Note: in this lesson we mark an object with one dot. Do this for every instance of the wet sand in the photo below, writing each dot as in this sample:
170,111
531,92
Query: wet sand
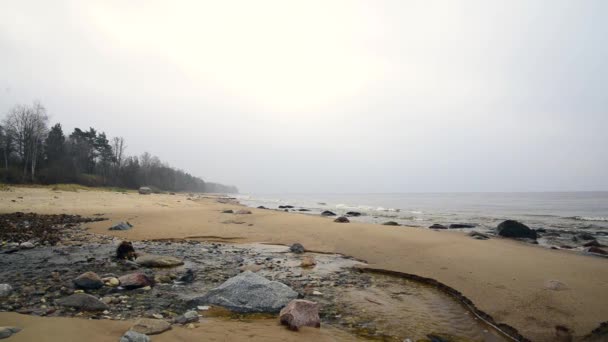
77,330
506,279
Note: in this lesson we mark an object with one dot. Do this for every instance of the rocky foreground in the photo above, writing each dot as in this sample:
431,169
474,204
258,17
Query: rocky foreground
51,266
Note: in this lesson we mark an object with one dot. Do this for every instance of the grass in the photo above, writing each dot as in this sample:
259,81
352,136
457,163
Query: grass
64,187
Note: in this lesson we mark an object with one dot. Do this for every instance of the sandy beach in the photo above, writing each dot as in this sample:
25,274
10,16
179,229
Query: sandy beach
505,278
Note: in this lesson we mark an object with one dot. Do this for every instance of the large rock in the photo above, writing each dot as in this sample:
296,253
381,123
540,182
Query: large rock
82,301
297,248
133,336
248,293
328,213
144,190
134,281
121,226
89,281
6,332
353,213
596,250
342,219
299,313
514,229
390,223
5,290
188,317
438,226
149,326
461,225
152,260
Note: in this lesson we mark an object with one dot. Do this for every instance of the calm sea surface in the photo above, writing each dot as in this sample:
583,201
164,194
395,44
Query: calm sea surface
580,211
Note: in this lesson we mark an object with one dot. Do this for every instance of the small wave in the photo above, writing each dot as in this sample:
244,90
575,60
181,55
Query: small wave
589,218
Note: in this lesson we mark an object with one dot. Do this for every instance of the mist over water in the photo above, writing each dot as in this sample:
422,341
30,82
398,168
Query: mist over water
586,211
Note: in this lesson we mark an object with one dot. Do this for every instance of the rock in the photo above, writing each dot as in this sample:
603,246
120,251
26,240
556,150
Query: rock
150,326
461,225
308,261
342,219
125,251
477,235
88,280
248,293
188,317
300,313
144,190
303,209
133,336
585,236
514,229
121,226
286,207
187,277
593,243
438,226
328,213
6,332
297,248
5,290
152,260
228,211
112,281
134,281
26,245
243,212
596,250
353,213
82,301
391,223
262,207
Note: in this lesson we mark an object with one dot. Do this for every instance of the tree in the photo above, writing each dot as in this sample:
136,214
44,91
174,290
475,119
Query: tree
54,145
28,126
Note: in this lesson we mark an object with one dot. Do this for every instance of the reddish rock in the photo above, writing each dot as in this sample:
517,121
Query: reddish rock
135,280
300,313
597,250
308,261
342,219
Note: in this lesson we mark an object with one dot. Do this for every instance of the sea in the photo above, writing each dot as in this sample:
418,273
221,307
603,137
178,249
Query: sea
567,212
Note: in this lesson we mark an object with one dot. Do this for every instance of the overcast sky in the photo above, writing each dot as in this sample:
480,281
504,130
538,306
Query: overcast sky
328,96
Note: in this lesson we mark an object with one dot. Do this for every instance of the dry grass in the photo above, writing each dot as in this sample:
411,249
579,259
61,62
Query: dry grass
63,187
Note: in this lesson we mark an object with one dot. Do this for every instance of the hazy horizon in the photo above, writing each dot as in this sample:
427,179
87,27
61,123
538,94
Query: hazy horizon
328,96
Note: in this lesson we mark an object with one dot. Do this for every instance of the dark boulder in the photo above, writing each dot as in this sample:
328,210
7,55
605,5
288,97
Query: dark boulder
303,209
228,211
262,207
82,301
286,207
342,219
438,226
461,225
328,213
297,248
596,250
353,213
88,280
514,229
585,236
593,243
391,223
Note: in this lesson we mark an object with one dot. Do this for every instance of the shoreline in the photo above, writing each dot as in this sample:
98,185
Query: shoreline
444,256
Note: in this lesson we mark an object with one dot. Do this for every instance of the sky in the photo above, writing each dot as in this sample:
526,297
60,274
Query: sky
328,96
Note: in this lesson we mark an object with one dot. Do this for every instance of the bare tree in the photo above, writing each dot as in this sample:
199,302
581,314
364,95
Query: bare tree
119,147
27,125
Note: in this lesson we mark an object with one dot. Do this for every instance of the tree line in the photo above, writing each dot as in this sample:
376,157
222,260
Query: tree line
34,153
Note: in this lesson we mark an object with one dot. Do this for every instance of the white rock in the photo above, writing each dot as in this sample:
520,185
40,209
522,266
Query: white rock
203,307
5,290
